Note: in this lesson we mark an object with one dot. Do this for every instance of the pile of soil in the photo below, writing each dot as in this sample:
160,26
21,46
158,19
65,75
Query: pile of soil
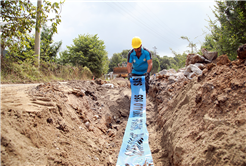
76,123
196,122
203,121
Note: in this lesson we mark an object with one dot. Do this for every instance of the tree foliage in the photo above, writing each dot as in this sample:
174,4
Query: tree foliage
156,66
114,61
176,62
165,62
118,58
124,53
20,18
49,49
228,31
89,51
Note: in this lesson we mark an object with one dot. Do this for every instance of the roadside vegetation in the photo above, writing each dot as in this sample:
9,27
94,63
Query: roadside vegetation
28,72
87,56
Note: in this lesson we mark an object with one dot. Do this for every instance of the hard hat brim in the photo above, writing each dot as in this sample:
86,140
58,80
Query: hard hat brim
136,46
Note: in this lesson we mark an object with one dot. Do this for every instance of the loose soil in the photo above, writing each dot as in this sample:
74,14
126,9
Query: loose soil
196,122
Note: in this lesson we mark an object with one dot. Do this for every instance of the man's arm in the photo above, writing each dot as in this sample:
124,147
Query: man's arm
150,64
129,67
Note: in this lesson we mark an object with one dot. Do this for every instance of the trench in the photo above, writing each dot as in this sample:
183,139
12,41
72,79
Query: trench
160,139
85,126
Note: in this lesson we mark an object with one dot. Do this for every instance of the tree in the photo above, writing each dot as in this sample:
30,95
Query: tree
156,66
164,62
49,49
88,51
20,17
115,60
178,61
228,31
124,53
118,58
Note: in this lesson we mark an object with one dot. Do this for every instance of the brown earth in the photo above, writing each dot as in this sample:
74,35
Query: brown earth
197,122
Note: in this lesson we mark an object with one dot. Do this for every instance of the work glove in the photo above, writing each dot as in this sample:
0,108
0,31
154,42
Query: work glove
146,76
129,76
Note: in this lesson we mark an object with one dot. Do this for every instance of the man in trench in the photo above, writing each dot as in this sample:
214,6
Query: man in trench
139,61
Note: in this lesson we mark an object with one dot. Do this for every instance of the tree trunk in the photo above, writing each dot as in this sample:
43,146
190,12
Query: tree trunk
38,31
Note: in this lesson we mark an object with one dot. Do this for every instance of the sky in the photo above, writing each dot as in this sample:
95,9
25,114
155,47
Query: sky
160,24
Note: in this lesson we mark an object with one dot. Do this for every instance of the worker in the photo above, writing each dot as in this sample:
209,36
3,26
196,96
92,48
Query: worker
139,61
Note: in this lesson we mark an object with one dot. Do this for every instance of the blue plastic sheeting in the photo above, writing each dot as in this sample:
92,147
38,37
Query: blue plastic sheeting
135,146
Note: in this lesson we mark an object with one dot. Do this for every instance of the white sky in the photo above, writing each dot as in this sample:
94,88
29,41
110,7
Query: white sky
159,24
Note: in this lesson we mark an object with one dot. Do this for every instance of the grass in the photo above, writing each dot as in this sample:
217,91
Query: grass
28,72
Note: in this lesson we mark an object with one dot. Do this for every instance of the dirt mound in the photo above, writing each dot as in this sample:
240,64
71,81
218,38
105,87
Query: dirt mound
77,123
203,123
200,121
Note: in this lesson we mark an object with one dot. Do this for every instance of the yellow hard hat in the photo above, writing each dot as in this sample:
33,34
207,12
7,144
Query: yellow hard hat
136,42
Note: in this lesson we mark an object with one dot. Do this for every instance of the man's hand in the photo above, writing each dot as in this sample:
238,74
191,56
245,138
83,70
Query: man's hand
129,76
146,75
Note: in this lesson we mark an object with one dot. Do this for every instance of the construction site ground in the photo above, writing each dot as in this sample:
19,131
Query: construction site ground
201,121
